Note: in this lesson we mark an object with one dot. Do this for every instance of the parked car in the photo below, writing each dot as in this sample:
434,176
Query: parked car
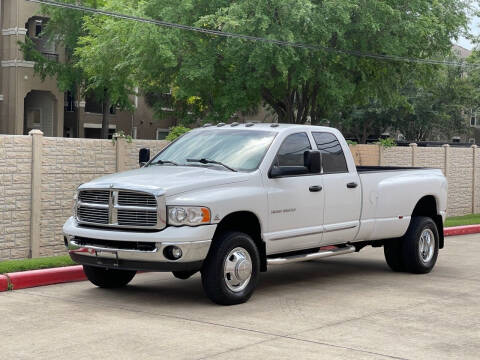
231,201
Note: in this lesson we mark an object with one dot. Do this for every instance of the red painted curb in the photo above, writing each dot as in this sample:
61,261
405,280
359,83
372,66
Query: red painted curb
33,278
461,230
3,283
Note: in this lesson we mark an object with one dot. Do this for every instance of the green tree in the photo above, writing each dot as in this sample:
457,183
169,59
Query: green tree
231,74
423,109
227,75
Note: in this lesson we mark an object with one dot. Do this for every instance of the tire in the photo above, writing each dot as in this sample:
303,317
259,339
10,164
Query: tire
231,270
183,275
394,255
420,259
108,278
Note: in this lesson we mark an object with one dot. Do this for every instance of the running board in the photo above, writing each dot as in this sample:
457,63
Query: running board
312,256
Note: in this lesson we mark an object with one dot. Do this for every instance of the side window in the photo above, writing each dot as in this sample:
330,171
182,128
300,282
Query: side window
333,159
292,149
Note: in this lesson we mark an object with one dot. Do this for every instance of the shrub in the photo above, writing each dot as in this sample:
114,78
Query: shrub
176,131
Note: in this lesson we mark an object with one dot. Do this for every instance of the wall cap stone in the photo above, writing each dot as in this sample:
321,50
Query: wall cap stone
35,132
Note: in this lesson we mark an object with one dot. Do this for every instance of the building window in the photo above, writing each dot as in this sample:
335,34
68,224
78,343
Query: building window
162,134
473,119
38,27
94,131
92,105
69,102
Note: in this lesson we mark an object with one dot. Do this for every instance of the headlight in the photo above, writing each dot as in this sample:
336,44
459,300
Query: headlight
188,215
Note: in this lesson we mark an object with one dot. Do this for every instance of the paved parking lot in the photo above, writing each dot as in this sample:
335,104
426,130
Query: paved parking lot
349,307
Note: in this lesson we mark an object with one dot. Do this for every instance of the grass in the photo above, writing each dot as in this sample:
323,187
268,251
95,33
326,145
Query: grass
34,264
471,219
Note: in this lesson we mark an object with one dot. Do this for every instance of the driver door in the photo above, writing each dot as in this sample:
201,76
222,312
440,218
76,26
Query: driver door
296,203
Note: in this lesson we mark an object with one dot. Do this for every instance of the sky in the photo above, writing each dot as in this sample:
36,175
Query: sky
474,29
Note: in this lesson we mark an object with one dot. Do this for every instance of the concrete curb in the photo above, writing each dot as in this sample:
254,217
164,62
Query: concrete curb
461,230
33,278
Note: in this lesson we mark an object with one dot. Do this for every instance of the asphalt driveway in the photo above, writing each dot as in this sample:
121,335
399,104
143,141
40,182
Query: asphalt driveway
349,307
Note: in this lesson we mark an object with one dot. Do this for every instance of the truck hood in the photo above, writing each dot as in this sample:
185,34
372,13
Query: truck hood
165,178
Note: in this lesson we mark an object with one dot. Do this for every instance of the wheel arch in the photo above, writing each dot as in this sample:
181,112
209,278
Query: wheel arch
249,223
428,206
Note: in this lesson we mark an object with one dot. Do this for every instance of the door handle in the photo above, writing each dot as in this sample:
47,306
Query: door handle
352,185
315,188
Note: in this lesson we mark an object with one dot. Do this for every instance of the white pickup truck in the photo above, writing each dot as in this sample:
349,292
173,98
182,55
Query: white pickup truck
233,200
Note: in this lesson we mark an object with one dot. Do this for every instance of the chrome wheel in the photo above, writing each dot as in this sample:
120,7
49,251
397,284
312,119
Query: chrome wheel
237,269
426,245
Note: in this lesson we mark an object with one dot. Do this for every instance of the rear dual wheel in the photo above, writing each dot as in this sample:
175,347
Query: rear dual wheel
417,250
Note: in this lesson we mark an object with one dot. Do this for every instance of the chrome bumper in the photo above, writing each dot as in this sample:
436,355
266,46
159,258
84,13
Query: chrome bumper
192,251
106,248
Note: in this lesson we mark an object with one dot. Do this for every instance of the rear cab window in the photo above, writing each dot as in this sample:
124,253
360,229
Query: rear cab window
333,158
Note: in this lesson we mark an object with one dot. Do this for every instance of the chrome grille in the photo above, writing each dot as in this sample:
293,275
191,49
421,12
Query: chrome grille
94,196
92,215
130,198
120,208
137,218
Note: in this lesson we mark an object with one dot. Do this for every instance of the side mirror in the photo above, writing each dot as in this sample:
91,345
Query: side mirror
313,161
280,171
143,156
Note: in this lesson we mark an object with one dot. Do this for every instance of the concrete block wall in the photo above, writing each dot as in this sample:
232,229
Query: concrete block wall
67,163
460,180
15,196
366,155
396,156
476,199
39,175
132,149
59,167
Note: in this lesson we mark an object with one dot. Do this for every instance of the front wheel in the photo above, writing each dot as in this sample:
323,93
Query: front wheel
108,278
231,270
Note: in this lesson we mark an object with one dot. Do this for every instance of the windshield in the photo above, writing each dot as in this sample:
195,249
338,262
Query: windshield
242,150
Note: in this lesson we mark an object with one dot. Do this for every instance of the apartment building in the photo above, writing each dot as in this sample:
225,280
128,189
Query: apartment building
27,102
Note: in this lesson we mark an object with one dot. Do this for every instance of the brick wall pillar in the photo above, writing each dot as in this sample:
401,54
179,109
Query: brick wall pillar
121,149
37,139
446,148
474,179
381,160
414,146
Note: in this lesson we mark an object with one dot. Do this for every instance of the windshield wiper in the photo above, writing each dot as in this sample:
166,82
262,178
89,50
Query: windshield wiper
208,161
161,162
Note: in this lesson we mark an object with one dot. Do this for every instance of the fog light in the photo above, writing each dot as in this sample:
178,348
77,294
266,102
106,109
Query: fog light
172,252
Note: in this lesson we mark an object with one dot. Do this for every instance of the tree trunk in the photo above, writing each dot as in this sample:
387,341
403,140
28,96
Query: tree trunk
106,110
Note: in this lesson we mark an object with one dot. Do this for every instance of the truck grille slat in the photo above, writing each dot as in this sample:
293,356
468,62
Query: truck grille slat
133,217
90,213
126,198
94,196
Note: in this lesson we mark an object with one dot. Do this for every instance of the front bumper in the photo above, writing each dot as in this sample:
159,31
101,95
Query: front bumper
106,248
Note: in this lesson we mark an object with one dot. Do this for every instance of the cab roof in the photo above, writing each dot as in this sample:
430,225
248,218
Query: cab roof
276,127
